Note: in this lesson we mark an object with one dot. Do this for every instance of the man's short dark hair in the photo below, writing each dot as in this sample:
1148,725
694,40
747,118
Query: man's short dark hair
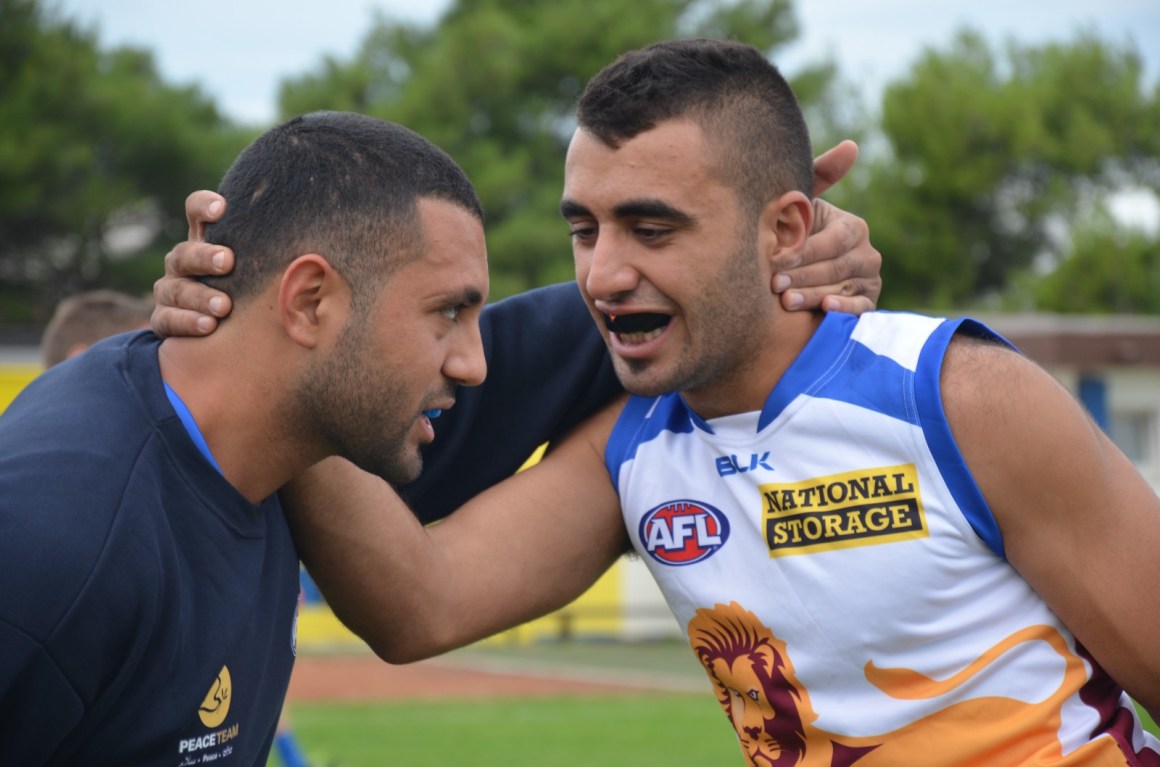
741,101
343,185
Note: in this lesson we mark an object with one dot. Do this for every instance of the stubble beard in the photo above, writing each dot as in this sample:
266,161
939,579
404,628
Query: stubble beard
724,350
352,408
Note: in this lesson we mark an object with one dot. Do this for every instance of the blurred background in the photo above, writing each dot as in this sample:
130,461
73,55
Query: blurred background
1010,165
1010,153
1011,156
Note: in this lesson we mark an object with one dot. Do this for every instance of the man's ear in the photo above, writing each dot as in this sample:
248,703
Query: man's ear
313,300
786,223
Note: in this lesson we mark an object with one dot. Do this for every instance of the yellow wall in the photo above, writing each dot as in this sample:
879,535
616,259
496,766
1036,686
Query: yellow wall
13,378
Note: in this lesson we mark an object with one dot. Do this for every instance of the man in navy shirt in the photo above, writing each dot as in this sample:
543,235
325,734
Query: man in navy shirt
150,582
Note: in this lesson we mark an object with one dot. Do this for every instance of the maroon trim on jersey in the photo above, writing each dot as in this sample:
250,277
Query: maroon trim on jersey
1116,721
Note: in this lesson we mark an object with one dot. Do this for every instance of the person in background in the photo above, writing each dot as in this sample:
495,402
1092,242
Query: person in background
81,320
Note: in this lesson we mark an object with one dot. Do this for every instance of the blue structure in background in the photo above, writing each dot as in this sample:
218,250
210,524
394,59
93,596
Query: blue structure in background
1093,393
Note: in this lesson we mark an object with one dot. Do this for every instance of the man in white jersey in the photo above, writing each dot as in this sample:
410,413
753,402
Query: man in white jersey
891,540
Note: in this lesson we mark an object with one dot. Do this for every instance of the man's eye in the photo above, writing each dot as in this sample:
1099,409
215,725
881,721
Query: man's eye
452,312
581,232
650,233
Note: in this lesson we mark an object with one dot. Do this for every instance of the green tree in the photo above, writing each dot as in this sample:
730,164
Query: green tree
91,140
992,153
1109,268
494,83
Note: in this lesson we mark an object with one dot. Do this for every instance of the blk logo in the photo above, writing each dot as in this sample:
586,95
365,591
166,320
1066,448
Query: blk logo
683,532
731,464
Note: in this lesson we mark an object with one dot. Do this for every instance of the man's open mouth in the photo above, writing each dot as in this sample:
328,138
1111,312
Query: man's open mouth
636,328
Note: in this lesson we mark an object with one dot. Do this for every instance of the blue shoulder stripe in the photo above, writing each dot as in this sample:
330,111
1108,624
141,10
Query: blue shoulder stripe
868,379
822,354
643,419
939,438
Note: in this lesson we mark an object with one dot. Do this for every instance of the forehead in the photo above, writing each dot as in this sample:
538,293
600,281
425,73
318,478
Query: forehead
453,257
672,161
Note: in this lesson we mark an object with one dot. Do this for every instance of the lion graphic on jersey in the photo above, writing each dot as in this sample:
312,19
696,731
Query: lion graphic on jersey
757,687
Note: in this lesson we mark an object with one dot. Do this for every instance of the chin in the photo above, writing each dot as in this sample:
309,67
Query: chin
636,379
645,386
396,469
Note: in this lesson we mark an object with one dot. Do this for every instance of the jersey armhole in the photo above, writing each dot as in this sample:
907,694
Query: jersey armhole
940,440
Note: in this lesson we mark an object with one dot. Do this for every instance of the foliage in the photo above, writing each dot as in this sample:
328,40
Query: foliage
494,83
990,154
1108,269
92,139
993,153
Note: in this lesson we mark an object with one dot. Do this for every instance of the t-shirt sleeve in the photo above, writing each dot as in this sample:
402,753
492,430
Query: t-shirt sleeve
548,370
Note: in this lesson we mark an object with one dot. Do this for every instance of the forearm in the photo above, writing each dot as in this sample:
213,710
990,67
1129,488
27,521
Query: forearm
373,561
411,591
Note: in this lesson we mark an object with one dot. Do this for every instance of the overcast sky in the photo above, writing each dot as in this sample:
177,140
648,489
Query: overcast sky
239,50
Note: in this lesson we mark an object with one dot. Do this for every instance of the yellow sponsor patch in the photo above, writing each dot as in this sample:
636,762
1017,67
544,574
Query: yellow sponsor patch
858,508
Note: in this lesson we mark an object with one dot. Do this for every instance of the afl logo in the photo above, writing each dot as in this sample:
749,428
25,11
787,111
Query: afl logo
683,532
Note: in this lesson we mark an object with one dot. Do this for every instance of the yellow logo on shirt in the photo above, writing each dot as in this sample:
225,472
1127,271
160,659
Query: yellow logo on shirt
216,706
858,508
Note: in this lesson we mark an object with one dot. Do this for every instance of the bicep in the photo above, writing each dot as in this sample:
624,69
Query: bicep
1079,522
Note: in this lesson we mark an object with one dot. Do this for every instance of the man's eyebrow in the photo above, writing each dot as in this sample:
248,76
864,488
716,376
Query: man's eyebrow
650,208
471,297
643,208
570,208
468,296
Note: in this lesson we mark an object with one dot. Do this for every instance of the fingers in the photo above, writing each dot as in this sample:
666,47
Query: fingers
853,296
201,208
198,259
836,233
831,166
849,304
184,306
837,263
167,322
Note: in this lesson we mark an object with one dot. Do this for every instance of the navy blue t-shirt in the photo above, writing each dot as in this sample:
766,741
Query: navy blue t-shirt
147,610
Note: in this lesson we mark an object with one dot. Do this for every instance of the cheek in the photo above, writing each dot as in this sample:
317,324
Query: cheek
581,267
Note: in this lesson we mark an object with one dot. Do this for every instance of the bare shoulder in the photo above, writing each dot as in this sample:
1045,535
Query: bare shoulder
1020,431
990,389
976,366
1036,454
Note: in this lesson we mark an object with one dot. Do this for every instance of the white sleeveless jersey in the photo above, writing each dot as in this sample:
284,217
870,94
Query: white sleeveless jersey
841,578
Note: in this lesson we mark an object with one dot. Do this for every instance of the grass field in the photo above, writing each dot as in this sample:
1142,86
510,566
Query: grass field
674,729
680,727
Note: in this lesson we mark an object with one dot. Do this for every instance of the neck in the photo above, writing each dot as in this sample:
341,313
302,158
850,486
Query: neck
232,394
747,388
